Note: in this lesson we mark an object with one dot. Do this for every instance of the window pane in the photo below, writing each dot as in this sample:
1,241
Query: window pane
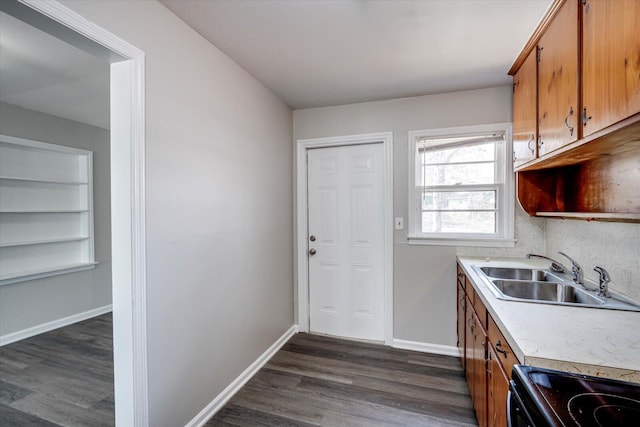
459,222
477,173
458,200
468,153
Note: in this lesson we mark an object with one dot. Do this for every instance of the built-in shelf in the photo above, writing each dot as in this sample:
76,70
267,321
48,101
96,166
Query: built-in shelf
596,178
43,181
46,218
600,216
42,242
40,211
36,273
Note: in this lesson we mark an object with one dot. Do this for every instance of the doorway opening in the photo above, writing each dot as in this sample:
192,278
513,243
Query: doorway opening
127,192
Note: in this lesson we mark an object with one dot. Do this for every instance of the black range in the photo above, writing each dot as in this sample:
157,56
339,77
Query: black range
543,397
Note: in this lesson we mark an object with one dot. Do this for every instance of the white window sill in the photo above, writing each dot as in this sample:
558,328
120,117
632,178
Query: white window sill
482,243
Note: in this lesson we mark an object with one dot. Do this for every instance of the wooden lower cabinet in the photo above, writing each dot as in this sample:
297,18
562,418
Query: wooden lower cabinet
462,312
479,375
487,357
497,390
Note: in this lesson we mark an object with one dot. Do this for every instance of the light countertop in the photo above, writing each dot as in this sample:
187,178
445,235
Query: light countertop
583,340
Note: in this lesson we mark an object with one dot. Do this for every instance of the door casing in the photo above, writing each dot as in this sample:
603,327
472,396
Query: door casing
128,227
301,226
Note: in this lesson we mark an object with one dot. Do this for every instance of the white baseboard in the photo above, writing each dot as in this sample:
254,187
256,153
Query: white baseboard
54,324
445,350
220,400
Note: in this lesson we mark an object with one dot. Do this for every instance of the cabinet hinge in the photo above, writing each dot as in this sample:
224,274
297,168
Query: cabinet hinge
584,2
538,53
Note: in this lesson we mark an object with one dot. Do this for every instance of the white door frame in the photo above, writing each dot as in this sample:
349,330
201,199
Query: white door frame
127,214
301,231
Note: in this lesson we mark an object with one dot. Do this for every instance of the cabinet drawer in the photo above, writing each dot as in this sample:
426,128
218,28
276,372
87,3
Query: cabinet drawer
505,355
461,277
470,294
481,310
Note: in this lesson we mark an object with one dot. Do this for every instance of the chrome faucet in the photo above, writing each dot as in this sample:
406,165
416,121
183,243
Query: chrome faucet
576,270
604,282
555,265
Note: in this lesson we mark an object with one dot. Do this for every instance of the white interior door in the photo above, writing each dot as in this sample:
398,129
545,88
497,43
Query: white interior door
346,241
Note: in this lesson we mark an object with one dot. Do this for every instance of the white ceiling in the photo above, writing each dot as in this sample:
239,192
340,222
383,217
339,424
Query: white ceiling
308,52
42,73
317,52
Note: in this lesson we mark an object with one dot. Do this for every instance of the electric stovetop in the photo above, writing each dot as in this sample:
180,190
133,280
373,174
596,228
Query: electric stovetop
567,399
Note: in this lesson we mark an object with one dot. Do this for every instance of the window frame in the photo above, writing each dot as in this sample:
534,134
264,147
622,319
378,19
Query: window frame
505,194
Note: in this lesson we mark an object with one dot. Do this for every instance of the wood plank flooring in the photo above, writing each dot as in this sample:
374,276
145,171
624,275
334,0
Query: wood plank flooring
60,378
323,381
65,378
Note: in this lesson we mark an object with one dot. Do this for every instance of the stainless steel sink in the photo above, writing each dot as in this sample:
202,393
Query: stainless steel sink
546,287
518,274
545,291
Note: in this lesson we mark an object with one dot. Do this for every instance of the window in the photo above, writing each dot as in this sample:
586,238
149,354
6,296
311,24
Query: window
461,186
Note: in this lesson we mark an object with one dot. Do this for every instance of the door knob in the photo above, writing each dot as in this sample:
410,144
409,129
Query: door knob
312,251
312,238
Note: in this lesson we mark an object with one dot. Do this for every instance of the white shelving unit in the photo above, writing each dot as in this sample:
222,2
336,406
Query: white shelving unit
46,210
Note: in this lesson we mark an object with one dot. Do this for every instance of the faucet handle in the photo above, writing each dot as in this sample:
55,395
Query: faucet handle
605,278
576,270
604,274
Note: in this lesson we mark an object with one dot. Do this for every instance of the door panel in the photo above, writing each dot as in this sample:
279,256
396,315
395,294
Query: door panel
525,113
558,81
610,62
346,273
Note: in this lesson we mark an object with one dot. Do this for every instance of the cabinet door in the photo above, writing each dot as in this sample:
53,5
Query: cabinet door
610,62
468,345
461,306
525,114
498,389
479,389
558,81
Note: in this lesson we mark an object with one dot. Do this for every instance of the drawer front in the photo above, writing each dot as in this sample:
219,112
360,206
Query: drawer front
503,350
461,277
470,294
480,310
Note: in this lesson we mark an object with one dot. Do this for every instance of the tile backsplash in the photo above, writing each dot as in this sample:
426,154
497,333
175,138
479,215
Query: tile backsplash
612,245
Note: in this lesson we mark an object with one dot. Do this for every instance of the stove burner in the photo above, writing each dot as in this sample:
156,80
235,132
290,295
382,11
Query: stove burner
603,410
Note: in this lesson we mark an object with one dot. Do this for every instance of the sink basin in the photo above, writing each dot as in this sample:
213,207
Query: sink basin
518,274
545,291
544,287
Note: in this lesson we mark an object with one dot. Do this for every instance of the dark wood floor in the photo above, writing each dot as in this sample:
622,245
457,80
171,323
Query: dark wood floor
322,381
65,378
59,378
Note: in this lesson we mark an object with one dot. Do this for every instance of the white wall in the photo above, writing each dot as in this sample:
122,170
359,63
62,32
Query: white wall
612,245
24,305
219,220
424,276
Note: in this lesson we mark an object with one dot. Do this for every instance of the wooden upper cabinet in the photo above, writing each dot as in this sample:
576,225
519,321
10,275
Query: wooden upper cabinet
610,62
558,80
525,97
